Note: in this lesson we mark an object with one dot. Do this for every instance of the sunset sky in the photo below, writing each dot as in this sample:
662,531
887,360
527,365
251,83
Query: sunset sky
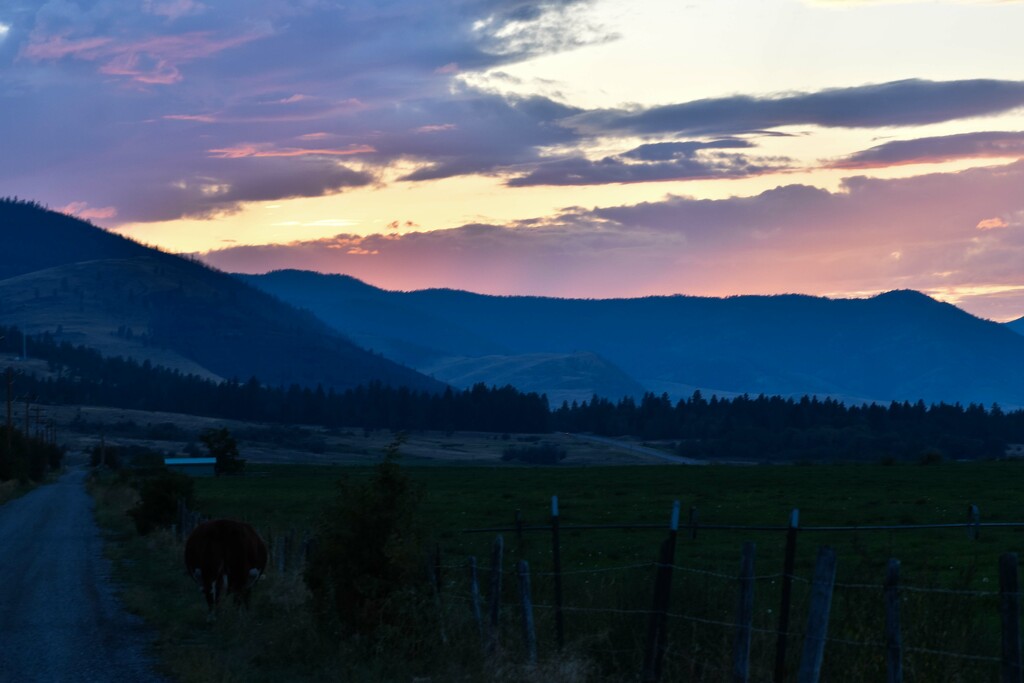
565,148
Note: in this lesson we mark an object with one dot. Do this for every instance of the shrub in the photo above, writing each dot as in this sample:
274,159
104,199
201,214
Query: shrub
366,570
158,500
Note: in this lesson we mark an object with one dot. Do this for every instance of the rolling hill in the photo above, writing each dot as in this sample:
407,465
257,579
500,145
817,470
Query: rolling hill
87,286
1016,325
901,345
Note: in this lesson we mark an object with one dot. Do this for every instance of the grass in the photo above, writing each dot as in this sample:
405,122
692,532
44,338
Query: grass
280,642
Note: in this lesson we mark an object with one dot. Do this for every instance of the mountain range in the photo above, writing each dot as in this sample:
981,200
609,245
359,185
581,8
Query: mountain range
87,286
901,345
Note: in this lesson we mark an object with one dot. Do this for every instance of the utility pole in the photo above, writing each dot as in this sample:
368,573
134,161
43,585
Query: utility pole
10,395
38,410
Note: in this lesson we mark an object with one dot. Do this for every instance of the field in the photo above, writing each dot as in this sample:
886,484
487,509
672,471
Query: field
604,629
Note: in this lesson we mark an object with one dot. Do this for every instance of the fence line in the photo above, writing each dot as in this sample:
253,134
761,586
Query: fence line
822,587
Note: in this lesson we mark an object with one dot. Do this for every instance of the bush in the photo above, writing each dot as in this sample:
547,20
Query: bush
541,454
223,446
367,568
158,500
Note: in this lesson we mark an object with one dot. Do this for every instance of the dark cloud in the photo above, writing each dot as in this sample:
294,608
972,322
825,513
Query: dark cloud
937,149
234,181
665,151
899,103
118,106
653,162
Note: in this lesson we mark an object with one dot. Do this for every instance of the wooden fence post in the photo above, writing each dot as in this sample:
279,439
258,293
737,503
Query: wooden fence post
474,593
817,620
782,631
279,553
497,551
744,617
1009,613
657,625
529,633
556,560
973,522
893,638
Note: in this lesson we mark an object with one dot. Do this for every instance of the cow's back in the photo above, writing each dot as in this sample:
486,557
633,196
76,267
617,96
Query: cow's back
225,549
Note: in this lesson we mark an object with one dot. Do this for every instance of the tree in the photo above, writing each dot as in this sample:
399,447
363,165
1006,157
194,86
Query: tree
367,569
222,446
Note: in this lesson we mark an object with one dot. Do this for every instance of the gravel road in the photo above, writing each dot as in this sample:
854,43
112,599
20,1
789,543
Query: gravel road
59,619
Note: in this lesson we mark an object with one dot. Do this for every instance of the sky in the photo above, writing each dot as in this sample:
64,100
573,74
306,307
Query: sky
583,148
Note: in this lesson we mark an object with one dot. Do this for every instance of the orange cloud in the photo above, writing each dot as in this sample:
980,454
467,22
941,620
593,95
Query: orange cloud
992,224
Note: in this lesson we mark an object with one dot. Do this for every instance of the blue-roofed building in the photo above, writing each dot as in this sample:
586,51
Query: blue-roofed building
193,467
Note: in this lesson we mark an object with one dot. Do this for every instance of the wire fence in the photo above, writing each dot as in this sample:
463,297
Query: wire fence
926,635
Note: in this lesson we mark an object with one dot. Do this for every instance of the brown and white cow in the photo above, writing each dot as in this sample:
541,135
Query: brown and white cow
224,556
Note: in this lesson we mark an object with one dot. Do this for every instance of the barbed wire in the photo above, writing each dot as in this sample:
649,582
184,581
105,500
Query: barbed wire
754,629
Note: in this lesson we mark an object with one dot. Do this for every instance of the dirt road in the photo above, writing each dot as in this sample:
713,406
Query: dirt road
59,619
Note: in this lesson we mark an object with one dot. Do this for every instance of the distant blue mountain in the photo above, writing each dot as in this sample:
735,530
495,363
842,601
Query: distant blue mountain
901,345
1016,325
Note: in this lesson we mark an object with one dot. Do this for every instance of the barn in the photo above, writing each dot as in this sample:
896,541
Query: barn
193,467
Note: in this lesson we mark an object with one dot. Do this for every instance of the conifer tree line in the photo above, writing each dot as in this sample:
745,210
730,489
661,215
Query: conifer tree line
745,428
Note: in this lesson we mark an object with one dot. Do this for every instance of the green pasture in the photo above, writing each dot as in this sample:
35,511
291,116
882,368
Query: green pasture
951,628
278,498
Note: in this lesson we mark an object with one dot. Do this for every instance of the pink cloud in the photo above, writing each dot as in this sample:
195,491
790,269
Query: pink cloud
203,118
436,128
152,60
266,150
449,68
58,47
84,211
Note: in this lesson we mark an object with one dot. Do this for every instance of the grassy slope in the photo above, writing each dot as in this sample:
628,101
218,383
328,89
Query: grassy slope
459,497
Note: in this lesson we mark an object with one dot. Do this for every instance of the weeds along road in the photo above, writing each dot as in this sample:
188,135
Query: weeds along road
59,619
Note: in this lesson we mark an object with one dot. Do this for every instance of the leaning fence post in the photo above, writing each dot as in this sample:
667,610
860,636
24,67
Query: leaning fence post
496,555
529,633
787,592
657,625
556,560
1009,613
817,620
893,639
474,593
744,617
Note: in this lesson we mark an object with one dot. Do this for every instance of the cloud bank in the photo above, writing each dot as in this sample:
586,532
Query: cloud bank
959,236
